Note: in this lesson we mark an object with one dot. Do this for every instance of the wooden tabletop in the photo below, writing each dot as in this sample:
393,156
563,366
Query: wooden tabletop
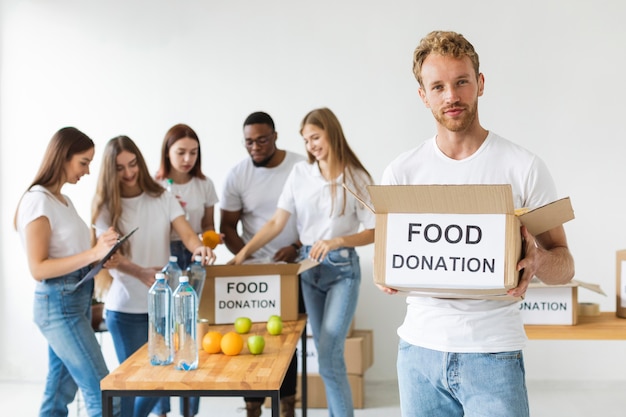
605,326
216,372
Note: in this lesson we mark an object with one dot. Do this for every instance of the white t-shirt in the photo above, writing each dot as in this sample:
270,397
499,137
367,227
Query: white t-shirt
308,196
255,191
452,325
69,233
194,196
149,246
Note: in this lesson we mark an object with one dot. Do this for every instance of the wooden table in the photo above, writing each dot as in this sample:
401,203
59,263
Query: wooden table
217,375
606,326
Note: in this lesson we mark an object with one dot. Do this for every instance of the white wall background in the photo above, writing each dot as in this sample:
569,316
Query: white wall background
554,83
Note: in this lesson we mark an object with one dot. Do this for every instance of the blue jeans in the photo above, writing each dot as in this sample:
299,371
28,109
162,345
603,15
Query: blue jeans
75,360
183,260
330,291
129,333
178,249
444,384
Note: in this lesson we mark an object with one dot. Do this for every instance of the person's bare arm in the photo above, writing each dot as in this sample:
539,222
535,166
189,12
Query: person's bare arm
41,266
228,228
547,257
269,231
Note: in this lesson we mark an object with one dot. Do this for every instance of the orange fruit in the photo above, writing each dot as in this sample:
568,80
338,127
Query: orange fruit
211,342
211,239
232,343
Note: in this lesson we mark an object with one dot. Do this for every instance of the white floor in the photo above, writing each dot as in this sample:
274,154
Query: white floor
547,399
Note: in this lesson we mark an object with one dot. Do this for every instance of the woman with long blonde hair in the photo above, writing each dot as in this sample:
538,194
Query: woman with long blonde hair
331,223
127,197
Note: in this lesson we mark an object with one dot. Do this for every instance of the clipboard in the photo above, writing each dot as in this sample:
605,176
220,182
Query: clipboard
98,267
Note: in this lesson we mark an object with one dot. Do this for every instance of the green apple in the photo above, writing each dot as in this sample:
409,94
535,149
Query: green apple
274,325
243,325
256,344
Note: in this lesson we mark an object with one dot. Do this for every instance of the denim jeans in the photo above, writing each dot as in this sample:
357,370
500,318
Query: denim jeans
129,333
444,384
184,257
330,291
178,249
63,315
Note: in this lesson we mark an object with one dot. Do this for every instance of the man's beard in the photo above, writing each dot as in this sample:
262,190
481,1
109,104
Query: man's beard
458,125
263,162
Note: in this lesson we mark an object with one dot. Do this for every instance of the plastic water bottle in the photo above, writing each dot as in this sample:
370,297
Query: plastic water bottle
197,275
185,317
172,272
169,187
160,348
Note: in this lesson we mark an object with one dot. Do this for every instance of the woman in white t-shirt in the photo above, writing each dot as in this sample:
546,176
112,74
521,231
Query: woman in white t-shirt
331,223
59,254
128,197
181,173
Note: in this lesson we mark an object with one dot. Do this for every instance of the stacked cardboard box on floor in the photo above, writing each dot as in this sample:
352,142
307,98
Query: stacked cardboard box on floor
359,357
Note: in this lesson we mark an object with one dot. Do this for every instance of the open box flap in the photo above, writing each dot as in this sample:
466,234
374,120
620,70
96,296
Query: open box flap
536,283
548,217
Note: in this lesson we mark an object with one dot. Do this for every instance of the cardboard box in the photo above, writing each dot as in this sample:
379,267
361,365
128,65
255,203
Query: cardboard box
620,283
251,290
358,354
454,240
553,304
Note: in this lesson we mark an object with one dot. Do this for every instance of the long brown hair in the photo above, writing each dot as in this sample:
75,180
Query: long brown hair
108,191
176,133
63,145
341,157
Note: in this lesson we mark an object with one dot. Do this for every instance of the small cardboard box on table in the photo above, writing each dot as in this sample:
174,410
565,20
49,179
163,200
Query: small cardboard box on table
251,290
556,304
454,240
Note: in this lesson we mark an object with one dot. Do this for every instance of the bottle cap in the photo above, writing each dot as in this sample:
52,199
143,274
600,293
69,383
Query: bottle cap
159,275
173,258
197,258
184,278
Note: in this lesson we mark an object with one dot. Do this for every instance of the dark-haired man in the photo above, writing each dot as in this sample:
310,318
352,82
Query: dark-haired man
250,196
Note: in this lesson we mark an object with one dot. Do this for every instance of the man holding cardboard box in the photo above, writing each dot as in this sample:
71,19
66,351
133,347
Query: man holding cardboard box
461,356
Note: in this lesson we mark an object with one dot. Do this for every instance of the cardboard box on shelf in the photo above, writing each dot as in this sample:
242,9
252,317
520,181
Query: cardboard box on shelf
358,354
454,240
252,290
620,283
553,304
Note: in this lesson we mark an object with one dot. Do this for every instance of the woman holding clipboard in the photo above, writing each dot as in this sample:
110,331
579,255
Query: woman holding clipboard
128,197
59,254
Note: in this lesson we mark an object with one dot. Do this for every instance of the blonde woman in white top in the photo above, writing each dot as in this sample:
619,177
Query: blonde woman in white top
331,223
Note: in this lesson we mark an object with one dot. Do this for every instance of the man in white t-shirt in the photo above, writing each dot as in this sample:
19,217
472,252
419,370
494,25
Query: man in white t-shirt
462,357
250,196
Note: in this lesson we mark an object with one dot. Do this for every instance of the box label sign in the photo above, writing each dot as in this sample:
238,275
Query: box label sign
547,306
256,297
445,250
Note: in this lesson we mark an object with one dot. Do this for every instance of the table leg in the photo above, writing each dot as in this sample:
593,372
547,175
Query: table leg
303,384
107,404
275,397
186,407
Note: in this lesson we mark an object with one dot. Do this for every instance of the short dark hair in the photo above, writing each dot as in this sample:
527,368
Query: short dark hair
259,117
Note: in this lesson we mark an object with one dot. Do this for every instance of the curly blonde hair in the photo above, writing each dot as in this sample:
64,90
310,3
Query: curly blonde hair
446,44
